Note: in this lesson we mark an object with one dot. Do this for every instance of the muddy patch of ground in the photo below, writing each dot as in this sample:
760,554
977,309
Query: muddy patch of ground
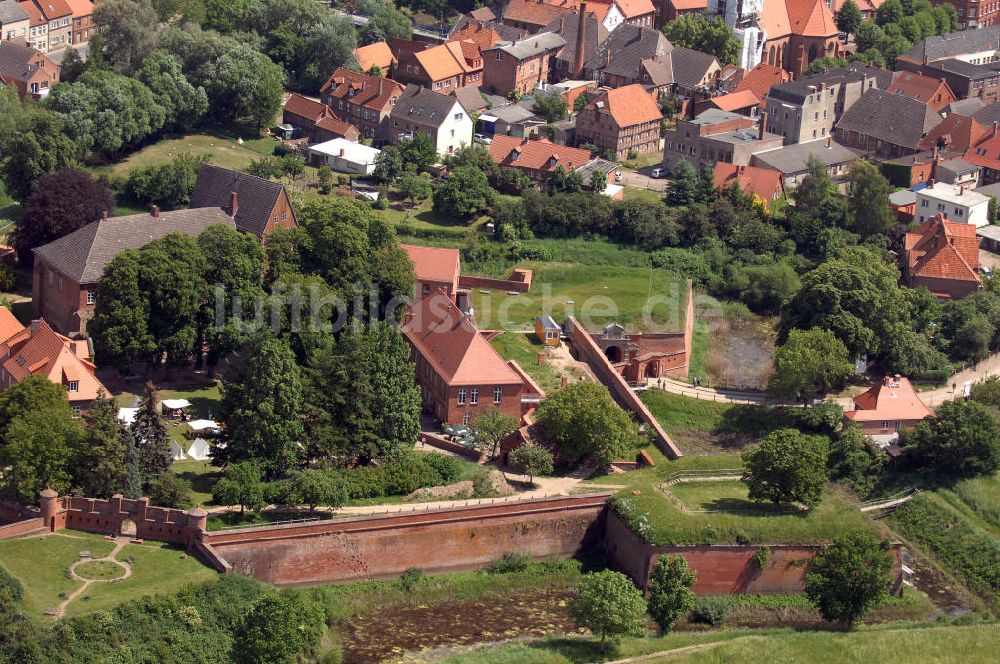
739,353
493,617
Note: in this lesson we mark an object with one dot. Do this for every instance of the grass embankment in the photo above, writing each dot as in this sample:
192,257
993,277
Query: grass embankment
914,645
41,564
221,148
953,533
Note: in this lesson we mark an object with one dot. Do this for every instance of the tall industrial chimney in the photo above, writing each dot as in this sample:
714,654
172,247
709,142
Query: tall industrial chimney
581,37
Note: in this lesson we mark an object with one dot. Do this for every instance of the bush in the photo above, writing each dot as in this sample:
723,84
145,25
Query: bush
408,474
761,556
509,563
482,487
7,279
411,579
448,468
11,590
168,490
279,492
364,482
710,610
821,418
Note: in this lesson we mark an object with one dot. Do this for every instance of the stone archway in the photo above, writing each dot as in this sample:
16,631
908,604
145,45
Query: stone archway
653,369
128,528
770,56
614,354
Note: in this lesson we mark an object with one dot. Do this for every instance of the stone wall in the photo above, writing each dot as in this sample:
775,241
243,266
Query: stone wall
721,570
519,281
22,528
590,352
438,541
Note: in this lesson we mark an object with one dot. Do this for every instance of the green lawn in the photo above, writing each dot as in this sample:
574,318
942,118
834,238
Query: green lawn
422,220
643,160
596,295
100,570
523,347
221,148
201,476
645,195
41,564
723,496
705,427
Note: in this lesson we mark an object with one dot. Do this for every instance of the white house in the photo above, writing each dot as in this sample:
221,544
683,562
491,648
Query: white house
958,203
344,156
439,116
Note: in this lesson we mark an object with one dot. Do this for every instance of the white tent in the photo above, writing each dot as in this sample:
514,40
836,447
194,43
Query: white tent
176,451
127,415
175,404
202,425
199,450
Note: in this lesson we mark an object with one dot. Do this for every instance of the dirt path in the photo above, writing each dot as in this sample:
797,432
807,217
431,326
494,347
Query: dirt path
120,543
673,652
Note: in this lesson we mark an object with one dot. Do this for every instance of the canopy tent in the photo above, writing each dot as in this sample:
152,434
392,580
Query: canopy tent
176,404
176,451
127,415
199,450
202,425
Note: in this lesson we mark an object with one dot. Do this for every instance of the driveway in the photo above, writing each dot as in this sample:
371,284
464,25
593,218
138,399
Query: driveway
642,180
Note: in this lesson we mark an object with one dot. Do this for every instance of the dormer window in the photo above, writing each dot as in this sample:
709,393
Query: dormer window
74,386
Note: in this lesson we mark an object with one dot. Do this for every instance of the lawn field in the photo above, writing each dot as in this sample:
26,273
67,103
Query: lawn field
222,150
200,476
41,563
724,496
523,348
639,298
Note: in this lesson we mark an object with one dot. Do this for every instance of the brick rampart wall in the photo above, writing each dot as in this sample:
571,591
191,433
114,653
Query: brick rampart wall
590,353
438,541
518,280
22,528
443,443
721,570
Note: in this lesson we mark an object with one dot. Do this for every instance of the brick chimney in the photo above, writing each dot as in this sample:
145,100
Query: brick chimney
762,123
341,152
104,214
234,203
581,34
154,210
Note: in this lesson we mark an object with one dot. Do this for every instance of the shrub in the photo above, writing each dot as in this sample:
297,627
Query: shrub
482,486
7,278
821,418
447,467
407,474
364,482
509,563
411,579
279,492
710,610
11,590
168,490
761,556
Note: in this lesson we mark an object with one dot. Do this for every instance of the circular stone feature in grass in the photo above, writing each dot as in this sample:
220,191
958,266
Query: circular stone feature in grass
99,570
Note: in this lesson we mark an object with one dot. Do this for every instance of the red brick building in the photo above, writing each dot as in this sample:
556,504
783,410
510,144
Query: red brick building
37,350
931,91
520,65
316,121
538,159
943,257
258,206
28,70
622,120
888,406
459,373
83,20
66,271
361,100
443,68
436,268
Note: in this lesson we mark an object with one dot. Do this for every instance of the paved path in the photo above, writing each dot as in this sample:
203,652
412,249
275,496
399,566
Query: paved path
642,180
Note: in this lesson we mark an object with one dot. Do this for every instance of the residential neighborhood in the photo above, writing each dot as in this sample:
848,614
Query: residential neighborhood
550,331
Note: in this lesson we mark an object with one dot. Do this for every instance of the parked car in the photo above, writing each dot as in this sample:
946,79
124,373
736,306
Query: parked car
658,172
482,138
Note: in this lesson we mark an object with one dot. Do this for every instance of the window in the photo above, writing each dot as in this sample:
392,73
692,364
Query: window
76,412
74,386
924,203
475,397
498,393
91,296
885,425
466,419
461,397
459,116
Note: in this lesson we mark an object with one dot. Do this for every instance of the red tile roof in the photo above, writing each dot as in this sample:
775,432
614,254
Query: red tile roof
635,8
450,342
9,325
891,399
532,12
735,101
54,8
481,35
80,8
375,55
954,133
763,182
762,78
37,350
810,18
540,155
443,61
922,88
337,126
685,5
774,20
986,151
628,105
306,108
434,263
373,92
942,249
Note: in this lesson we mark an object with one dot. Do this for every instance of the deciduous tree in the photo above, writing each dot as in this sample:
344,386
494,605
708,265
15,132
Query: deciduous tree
809,361
278,627
245,86
786,467
465,193
609,605
960,440
39,450
240,486
582,420
532,460
670,595
708,35
869,200
848,17
849,578
120,326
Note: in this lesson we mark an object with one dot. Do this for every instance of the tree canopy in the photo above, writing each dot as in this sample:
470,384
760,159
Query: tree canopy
809,362
609,605
708,35
582,420
786,467
849,577
960,440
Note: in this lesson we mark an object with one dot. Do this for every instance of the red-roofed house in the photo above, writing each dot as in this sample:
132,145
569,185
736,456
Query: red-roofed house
744,102
986,154
798,32
436,269
536,158
931,91
761,79
955,134
765,184
37,350
621,121
442,68
459,373
375,55
361,100
670,10
315,120
886,407
943,257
